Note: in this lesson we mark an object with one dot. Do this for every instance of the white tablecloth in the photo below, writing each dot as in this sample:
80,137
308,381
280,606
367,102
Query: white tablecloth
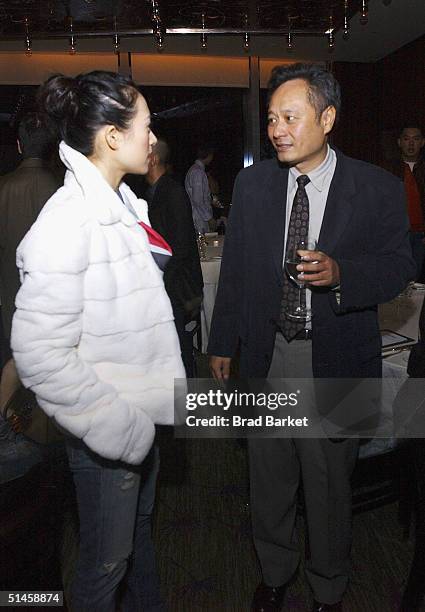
402,314
210,274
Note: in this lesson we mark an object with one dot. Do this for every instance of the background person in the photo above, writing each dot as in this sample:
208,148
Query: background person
198,189
23,194
171,215
411,169
93,334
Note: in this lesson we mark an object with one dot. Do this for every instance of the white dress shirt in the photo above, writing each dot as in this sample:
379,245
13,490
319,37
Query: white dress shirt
317,191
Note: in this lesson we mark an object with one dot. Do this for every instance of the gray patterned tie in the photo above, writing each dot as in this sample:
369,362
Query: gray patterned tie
297,230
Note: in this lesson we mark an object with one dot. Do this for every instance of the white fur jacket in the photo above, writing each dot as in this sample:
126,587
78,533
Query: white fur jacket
93,334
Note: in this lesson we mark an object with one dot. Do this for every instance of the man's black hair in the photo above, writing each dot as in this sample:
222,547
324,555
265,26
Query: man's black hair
323,88
203,151
35,137
411,125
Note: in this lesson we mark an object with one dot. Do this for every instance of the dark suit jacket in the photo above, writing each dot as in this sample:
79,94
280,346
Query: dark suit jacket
23,193
364,229
170,214
396,166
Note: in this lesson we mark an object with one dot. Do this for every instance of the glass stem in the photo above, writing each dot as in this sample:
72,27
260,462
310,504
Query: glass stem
299,297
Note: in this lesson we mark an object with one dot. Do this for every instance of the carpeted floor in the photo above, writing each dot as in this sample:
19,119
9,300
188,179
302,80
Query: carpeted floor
202,533
205,553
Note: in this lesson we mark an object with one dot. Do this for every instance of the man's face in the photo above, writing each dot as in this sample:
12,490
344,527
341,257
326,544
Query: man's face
297,135
411,142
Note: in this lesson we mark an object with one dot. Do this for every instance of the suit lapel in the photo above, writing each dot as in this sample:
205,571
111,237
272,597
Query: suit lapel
339,206
275,205
338,211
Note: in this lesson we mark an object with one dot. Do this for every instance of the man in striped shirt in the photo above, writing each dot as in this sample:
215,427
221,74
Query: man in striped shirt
198,190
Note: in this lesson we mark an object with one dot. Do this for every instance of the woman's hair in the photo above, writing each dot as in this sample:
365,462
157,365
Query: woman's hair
78,107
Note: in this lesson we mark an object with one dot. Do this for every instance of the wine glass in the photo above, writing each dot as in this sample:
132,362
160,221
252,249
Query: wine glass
298,311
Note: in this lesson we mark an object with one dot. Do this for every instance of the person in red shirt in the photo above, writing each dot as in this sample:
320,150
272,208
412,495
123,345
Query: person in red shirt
411,169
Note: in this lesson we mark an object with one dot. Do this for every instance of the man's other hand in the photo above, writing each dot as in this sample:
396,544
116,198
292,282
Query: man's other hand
220,367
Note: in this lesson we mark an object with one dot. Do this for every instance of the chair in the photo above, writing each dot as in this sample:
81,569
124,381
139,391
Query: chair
30,511
194,328
414,505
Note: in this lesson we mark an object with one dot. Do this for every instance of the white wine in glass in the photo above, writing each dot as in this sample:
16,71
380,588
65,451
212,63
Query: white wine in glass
298,311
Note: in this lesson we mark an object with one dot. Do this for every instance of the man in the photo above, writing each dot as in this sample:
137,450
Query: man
411,169
23,194
357,211
170,215
198,190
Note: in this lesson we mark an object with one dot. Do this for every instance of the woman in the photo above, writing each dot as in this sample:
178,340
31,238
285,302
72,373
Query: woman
93,335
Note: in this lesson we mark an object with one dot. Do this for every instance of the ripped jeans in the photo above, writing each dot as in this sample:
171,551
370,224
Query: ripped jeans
116,555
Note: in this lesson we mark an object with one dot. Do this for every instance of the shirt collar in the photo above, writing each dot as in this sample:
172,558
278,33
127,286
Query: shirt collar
200,164
321,176
103,201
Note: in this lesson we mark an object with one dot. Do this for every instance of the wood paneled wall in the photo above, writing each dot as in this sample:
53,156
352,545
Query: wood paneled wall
357,132
402,95
378,98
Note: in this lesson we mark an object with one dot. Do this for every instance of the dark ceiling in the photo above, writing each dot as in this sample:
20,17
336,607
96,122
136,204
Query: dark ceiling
51,17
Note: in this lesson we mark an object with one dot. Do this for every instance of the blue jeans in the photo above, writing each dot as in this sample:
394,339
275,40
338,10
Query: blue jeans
17,454
115,503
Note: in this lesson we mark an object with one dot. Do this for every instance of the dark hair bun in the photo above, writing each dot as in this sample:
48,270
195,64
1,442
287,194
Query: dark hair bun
58,97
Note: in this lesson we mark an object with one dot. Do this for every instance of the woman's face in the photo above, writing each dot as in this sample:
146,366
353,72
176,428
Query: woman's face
138,141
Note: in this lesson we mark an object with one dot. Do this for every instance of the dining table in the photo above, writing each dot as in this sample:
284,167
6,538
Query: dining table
399,316
210,266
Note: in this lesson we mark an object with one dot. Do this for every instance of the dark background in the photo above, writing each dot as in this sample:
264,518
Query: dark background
378,98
